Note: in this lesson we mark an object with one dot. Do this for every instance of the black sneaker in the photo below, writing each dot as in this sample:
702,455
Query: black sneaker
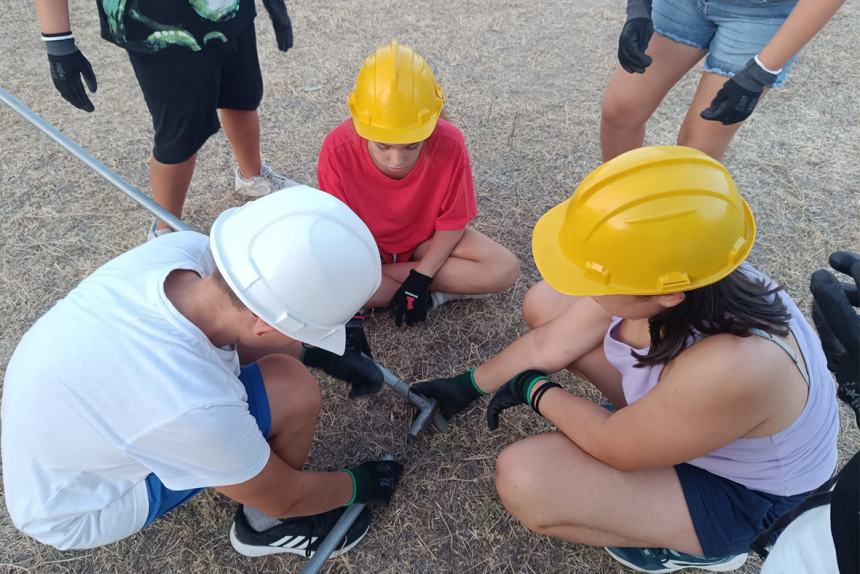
301,535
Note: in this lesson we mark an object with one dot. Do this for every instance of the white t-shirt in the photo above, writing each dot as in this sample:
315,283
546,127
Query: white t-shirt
111,384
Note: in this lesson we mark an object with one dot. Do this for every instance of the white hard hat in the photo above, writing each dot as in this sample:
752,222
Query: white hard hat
300,260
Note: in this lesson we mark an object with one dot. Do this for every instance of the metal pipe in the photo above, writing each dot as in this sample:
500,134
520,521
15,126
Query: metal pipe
428,409
335,535
86,157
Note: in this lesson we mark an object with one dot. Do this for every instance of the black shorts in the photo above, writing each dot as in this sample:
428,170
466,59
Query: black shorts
184,91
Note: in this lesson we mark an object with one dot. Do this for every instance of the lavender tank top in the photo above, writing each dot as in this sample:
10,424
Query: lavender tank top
797,459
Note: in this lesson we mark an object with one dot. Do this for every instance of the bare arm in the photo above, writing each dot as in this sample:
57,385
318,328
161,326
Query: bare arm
442,244
549,348
804,22
53,16
715,392
281,491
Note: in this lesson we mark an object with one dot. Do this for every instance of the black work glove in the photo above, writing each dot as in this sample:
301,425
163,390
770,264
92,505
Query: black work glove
518,391
356,369
838,324
356,338
374,482
635,35
453,393
277,10
738,97
412,299
68,64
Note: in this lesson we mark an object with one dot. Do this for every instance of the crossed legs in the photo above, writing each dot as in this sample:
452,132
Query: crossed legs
556,489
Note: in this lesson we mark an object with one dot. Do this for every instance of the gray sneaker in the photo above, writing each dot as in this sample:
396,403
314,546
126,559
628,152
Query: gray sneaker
263,184
154,231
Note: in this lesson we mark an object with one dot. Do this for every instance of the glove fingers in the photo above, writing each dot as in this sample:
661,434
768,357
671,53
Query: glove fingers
492,416
847,263
835,308
89,76
632,59
829,342
717,110
77,96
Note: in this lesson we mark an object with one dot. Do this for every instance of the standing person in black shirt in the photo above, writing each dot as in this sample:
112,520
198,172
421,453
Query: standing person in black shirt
192,59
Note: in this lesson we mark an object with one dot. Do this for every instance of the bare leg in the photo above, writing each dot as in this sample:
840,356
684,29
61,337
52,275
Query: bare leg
170,183
556,489
630,99
243,131
477,265
711,137
294,403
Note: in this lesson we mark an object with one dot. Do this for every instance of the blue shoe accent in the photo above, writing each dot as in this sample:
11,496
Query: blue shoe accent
660,560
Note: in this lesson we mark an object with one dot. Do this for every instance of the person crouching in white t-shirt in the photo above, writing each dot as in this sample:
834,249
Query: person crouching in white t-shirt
128,396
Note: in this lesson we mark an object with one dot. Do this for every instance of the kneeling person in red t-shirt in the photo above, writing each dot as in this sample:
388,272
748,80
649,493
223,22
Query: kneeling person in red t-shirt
406,173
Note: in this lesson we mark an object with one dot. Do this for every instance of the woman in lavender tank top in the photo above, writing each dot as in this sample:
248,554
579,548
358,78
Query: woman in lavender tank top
724,410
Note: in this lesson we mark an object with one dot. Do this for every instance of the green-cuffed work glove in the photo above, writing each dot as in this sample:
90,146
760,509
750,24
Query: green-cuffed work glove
518,391
452,393
374,482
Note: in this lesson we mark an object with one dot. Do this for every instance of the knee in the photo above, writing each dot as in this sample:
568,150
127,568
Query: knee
620,110
536,312
506,269
517,481
290,387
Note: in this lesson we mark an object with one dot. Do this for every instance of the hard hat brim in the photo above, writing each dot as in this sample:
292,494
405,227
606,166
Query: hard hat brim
334,342
554,267
565,277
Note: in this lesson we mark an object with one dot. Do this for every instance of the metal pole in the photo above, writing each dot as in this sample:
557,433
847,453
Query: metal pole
428,409
335,535
86,157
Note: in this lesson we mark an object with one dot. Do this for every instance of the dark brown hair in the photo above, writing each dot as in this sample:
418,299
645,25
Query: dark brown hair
734,304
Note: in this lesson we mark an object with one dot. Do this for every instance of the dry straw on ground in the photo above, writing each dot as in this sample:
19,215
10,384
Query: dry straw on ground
524,80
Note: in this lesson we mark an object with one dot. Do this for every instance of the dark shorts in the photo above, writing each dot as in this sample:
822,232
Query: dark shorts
184,92
728,516
161,499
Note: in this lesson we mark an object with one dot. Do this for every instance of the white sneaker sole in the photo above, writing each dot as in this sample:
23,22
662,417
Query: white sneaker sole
255,551
734,564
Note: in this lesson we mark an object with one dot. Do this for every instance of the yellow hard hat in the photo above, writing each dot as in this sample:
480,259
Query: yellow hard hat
396,99
653,220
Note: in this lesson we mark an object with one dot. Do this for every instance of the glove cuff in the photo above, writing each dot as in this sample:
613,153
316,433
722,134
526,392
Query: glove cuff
61,44
361,484
313,356
638,9
420,278
467,382
753,77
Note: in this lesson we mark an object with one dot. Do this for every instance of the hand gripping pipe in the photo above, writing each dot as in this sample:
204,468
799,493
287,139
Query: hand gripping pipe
427,408
335,535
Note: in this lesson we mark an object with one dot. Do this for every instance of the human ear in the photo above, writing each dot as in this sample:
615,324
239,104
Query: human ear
670,299
261,327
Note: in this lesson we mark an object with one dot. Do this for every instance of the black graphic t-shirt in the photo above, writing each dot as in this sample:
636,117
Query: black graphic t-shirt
170,26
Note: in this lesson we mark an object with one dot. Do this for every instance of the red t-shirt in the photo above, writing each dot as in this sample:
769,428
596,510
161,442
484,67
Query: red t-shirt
438,194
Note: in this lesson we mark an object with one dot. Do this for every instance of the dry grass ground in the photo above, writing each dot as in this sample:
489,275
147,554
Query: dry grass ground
524,80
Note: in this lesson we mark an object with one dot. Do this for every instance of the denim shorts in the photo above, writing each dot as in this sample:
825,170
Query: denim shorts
161,499
732,32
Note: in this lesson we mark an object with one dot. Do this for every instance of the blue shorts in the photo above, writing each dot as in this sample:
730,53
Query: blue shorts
732,32
161,499
728,516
